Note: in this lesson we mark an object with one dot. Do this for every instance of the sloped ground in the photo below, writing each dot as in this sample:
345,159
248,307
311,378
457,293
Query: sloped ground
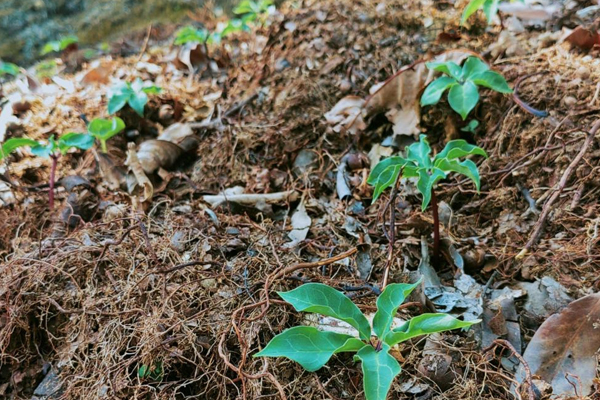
182,290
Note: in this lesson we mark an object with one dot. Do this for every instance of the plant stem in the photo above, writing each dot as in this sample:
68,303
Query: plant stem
103,144
52,177
436,227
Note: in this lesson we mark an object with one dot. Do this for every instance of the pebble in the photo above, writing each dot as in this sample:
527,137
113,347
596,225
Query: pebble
569,101
583,72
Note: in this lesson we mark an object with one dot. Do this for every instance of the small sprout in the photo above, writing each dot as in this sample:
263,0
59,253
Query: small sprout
154,372
135,94
189,34
46,69
463,84
104,129
52,148
252,11
235,25
59,45
419,164
312,348
471,127
7,68
490,9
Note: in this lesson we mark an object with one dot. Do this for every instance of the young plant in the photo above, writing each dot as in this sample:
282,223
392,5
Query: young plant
189,34
235,25
135,94
46,69
312,348
52,149
59,45
104,129
419,164
463,84
490,9
7,68
252,11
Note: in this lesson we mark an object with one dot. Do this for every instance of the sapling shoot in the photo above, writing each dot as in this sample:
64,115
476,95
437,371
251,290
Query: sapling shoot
51,149
489,7
312,348
462,83
419,164
61,45
104,129
135,94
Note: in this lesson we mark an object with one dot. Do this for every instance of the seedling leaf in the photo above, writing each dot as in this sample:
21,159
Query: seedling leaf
459,148
425,324
463,98
387,305
426,182
322,299
379,370
467,168
492,80
434,91
14,143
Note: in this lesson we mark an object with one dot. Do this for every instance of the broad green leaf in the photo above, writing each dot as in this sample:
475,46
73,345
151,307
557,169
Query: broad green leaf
387,305
104,129
138,101
463,98
473,66
81,141
490,9
470,9
434,91
459,148
426,182
322,299
306,345
44,150
14,143
467,168
244,7
386,179
449,68
383,165
117,102
419,152
425,324
351,345
379,370
492,80
9,68
189,34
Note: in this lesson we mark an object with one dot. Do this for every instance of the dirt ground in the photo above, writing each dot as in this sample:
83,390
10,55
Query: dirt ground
181,287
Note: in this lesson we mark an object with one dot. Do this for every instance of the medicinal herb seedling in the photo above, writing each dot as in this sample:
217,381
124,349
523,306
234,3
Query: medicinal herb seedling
51,149
463,84
312,348
135,94
104,129
253,11
489,7
419,164
190,34
7,68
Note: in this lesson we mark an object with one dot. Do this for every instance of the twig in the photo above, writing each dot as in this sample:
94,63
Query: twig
145,45
522,104
508,345
530,201
392,233
539,226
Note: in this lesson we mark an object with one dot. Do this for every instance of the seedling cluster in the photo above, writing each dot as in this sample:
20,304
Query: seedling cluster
312,348
135,94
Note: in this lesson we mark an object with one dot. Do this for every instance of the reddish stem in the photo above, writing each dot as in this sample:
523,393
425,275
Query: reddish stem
52,177
436,227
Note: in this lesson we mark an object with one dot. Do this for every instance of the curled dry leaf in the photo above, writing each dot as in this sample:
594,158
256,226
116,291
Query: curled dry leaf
155,154
563,350
142,187
398,96
583,38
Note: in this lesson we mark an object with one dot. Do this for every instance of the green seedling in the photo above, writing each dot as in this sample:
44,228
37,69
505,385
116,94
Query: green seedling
154,372
104,129
419,164
190,34
135,94
312,348
471,127
46,69
489,7
235,25
252,11
463,84
7,68
59,45
51,149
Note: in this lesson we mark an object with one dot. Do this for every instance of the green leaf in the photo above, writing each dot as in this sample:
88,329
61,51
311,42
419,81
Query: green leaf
244,7
387,306
117,102
379,370
138,101
490,9
492,80
471,126
81,141
467,168
45,150
459,148
306,345
152,90
463,98
419,152
58,45
14,143
448,67
104,129
9,68
189,34
385,174
322,299
426,182
425,324
470,9
434,91
473,66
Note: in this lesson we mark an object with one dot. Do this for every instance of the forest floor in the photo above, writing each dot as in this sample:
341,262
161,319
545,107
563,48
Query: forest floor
176,284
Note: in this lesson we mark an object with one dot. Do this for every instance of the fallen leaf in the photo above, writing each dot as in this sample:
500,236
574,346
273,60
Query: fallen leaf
300,225
563,350
346,115
583,38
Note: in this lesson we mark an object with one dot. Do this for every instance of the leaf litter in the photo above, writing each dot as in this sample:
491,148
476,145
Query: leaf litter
181,281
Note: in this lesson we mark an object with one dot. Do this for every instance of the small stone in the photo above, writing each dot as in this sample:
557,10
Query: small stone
583,72
569,101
